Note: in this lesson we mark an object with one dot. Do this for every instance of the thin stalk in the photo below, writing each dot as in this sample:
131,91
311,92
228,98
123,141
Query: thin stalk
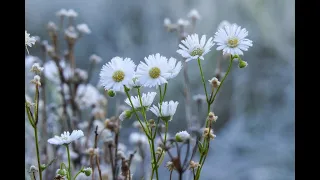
37,150
203,81
69,163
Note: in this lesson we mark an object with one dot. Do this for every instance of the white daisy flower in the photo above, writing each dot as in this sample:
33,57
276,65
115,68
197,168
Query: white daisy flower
168,109
174,68
83,28
231,39
191,48
154,72
117,73
194,14
182,136
146,99
66,137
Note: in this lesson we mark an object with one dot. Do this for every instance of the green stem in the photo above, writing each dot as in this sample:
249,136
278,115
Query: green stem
37,150
204,155
136,114
69,163
203,81
77,174
155,167
225,76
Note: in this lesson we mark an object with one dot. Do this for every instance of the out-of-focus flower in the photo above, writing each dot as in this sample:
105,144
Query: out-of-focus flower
182,136
83,28
194,14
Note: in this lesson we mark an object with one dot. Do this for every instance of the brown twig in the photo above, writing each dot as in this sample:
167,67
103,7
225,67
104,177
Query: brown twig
97,156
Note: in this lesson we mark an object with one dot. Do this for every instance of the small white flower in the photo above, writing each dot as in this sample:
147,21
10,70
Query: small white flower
29,41
174,68
154,72
36,68
223,24
199,97
95,59
194,14
135,82
183,22
62,12
166,22
117,73
191,48
231,39
168,109
66,137
36,80
72,13
182,136
83,28
71,33
138,138
146,99
215,83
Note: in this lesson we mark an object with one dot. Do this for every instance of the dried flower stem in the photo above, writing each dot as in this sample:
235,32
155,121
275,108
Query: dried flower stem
97,157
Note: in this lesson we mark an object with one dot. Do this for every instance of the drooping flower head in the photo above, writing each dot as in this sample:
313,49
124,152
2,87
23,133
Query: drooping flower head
182,136
66,137
191,48
168,109
231,39
146,100
174,68
29,41
154,71
117,73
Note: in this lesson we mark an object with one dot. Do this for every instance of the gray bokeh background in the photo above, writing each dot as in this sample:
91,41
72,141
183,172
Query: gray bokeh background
255,138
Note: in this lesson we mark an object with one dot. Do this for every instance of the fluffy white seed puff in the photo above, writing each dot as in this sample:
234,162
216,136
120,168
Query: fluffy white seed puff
168,109
191,48
117,73
154,72
66,137
182,136
83,28
146,99
231,39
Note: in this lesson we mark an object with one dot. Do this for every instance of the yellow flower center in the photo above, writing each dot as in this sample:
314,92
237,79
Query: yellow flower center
154,72
118,76
233,42
197,51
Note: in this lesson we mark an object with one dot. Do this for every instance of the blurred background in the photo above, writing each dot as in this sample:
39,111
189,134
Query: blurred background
256,125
